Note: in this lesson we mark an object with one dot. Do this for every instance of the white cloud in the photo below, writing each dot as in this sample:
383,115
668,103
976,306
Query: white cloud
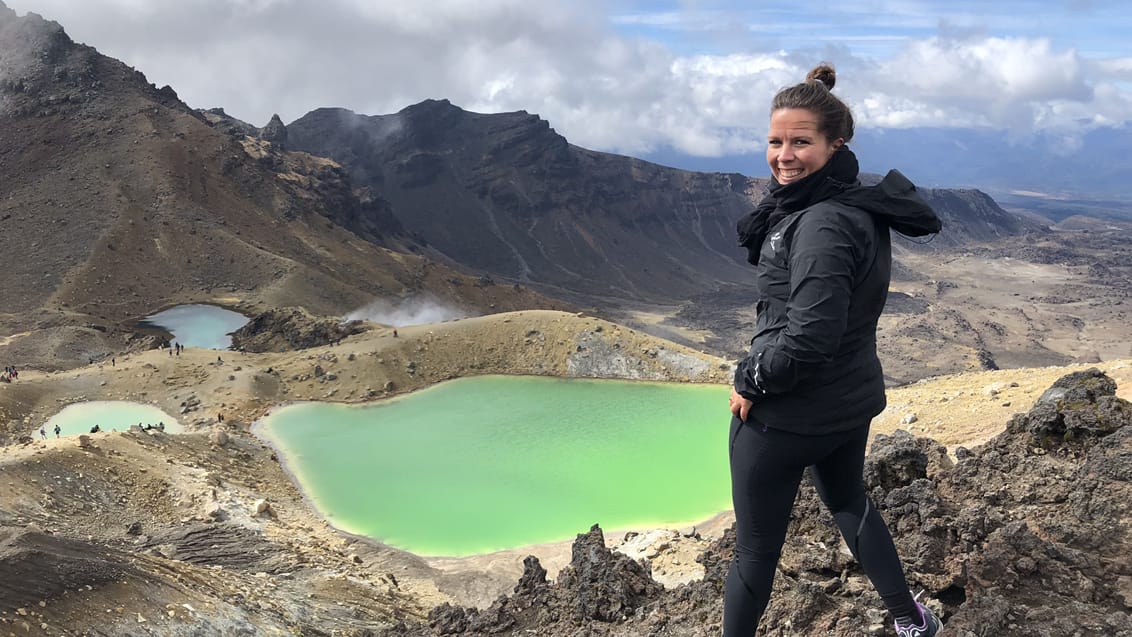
628,91
1115,68
986,69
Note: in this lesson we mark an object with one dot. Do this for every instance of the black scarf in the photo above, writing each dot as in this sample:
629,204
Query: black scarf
838,175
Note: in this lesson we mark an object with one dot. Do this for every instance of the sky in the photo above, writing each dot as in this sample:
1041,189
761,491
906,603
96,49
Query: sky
628,76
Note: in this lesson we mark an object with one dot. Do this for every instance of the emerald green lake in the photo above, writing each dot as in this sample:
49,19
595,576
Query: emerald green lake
108,415
486,463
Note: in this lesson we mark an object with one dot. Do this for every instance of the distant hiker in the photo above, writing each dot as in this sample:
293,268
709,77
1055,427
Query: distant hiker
95,429
161,425
219,417
219,361
43,433
812,383
394,332
57,430
112,363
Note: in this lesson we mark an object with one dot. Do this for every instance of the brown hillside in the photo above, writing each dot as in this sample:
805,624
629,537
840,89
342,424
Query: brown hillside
120,201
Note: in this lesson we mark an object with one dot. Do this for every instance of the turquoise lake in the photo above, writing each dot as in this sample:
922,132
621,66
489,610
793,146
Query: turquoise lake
108,415
199,325
485,463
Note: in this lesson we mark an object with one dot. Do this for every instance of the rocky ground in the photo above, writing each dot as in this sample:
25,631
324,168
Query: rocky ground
177,534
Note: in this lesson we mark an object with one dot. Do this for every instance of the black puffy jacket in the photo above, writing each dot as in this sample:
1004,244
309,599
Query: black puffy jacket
823,276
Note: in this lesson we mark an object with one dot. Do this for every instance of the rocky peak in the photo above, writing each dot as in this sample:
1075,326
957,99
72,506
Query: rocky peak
30,44
603,585
437,125
43,72
275,132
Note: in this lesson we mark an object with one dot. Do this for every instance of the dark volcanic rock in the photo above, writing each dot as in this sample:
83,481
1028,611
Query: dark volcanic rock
901,303
275,132
36,567
601,584
290,328
507,195
1080,406
219,545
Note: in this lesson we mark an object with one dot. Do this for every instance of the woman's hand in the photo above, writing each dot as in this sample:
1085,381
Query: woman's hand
740,406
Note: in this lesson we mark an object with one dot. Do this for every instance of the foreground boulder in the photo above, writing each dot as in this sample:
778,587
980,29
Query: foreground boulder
1025,535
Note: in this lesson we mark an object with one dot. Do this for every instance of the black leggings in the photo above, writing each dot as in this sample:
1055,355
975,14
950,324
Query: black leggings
766,469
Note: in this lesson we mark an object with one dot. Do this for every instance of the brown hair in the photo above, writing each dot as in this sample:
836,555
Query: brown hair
834,118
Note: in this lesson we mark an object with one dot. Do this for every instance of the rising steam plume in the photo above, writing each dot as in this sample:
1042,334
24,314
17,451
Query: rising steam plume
411,311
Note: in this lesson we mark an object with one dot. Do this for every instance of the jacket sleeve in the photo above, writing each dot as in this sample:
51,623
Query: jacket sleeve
825,253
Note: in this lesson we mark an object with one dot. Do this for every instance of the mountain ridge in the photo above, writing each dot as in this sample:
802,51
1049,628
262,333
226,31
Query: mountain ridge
486,189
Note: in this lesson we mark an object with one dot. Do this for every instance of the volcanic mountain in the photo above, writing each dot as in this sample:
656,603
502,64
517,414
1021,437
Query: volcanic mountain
119,200
506,194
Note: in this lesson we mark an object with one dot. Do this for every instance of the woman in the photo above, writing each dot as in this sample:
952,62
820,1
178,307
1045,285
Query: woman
812,382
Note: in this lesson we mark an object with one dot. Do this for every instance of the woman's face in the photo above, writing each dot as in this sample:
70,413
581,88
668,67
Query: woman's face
795,148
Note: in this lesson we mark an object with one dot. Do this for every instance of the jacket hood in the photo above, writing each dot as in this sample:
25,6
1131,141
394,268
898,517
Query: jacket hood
896,201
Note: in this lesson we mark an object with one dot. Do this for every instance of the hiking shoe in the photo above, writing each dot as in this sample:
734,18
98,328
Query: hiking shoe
929,625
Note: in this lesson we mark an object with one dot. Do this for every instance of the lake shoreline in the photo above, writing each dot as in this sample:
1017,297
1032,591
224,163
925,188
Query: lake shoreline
486,464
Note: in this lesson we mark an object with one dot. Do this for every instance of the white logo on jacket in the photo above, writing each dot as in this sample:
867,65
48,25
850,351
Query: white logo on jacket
774,239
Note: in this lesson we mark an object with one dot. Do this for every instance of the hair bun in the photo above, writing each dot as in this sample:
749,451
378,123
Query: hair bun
823,73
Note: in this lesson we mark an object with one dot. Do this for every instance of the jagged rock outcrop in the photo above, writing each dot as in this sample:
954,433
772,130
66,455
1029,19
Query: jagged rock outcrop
275,132
1013,538
234,127
292,328
598,585
1078,407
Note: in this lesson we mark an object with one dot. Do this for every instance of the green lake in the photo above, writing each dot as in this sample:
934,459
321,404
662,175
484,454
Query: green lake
486,463
108,415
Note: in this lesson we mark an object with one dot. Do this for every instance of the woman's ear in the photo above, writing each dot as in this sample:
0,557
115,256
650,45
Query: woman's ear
838,143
